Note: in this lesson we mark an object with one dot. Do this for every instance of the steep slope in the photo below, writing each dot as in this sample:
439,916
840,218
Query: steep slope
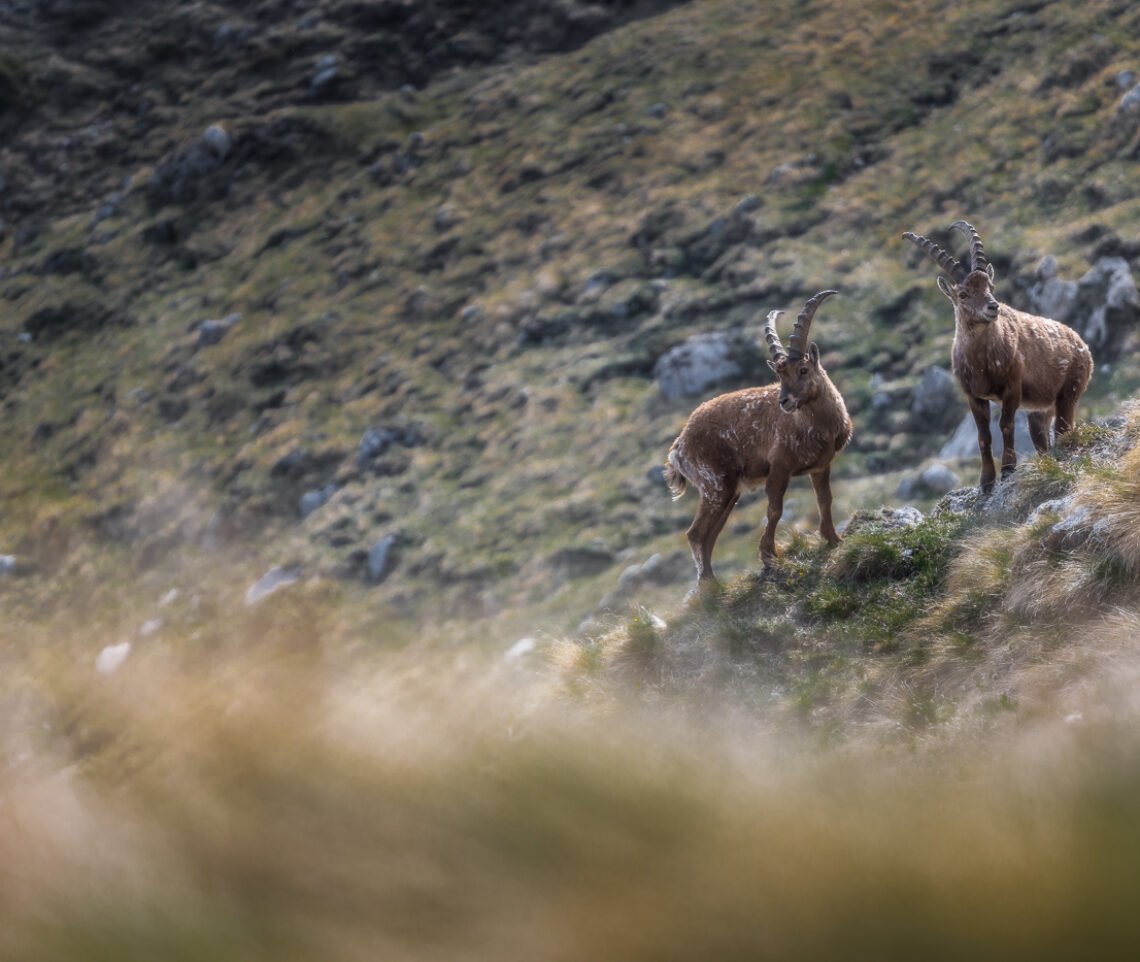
442,305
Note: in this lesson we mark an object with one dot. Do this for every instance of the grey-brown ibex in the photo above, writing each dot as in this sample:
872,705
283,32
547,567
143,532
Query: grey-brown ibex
762,435
1005,355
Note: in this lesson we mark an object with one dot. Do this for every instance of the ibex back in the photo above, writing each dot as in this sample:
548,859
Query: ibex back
763,435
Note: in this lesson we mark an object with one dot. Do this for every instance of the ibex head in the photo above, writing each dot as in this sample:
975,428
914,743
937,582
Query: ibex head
798,368
971,290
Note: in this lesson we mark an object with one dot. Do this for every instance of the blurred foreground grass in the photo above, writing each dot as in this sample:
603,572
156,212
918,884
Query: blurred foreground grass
288,802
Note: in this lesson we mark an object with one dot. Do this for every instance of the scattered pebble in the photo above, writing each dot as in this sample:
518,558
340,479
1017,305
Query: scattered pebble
109,659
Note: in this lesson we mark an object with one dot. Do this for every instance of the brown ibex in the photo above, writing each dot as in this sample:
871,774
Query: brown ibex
762,434
1005,355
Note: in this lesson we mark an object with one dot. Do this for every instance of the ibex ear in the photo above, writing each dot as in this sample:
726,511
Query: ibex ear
813,353
990,271
944,286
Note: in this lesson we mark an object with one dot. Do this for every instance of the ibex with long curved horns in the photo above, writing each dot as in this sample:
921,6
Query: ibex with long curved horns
762,434
1005,355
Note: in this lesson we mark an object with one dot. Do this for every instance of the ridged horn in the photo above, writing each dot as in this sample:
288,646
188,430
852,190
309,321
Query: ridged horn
773,339
950,266
797,343
978,259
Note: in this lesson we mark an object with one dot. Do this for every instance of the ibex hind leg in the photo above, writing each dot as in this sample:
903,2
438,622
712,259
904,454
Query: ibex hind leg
712,514
1066,413
1039,422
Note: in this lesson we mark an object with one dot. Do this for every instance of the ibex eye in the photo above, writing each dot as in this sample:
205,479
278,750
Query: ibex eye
963,295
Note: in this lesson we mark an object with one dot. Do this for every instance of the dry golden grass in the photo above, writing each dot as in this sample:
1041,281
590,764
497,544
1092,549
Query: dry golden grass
292,801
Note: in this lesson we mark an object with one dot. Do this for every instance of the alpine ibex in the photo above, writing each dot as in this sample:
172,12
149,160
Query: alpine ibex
1005,355
762,434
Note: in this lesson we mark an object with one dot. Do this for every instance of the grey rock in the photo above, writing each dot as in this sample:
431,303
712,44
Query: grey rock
1071,531
377,440
906,516
1102,306
702,360
964,442
1126,79
446,218
471,313
938,479
324,79
935,392
212,331
907,488
218,140
1130,103
1108,294
7,564
1058,506
746,205
658,111
314,500
381,559
1050,296
277,577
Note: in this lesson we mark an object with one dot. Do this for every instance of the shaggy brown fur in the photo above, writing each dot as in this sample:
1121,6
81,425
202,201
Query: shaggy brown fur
1005,355
762,435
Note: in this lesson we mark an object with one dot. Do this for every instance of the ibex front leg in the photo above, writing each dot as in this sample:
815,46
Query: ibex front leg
774,488
821,481
1010,402
980,408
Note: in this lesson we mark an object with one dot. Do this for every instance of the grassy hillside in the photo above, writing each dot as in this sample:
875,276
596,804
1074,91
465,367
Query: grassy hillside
486,262
372,292
920,745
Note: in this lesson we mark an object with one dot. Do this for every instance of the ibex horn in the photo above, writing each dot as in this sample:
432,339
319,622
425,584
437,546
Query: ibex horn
950,266
773,339
978,259
797,343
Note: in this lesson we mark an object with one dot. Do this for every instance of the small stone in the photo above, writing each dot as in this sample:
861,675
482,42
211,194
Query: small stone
380,559
746,205
218,140
657,111
324,79
111,657
523,646
7,564
939,479
148,628
279,576
314,500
